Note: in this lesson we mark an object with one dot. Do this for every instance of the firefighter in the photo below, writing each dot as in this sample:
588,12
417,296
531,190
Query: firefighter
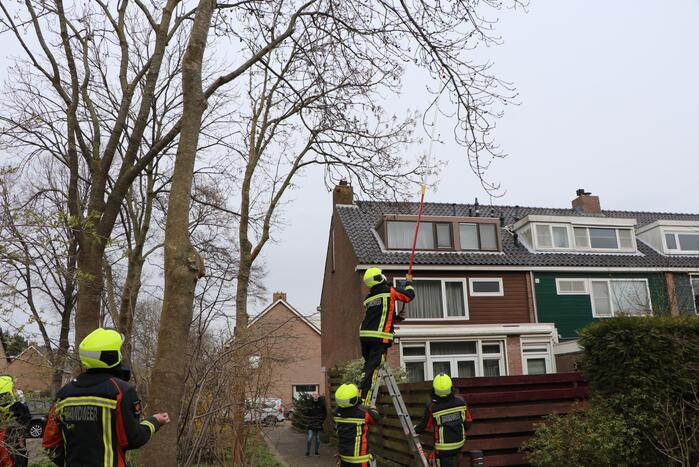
14,418
448,416
97,416
376,331
352,424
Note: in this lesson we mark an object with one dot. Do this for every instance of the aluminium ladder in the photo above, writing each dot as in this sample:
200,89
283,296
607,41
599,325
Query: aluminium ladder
386,375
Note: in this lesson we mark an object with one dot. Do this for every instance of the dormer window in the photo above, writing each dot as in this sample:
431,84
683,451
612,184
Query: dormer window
431,236
478,236
441,233
583,234
682,242
552,236
672,237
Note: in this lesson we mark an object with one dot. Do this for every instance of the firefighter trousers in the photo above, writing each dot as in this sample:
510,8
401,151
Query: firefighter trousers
374,353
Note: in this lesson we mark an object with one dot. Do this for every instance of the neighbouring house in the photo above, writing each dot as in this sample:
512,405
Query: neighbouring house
502,289
31,370
289,349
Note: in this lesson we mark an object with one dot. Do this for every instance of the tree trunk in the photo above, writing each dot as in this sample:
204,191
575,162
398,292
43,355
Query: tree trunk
90,285
183,265
129,296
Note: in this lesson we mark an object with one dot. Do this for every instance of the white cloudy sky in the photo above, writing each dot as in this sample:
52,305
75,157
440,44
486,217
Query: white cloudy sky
610,103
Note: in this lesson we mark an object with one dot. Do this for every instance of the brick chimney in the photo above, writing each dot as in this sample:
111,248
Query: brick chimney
278,296
343,193
586,203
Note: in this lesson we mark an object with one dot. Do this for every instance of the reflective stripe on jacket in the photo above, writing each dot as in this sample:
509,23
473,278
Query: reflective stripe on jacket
449,417
95,419
380,310
352,426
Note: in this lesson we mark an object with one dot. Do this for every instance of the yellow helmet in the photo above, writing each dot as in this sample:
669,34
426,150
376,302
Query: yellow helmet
7,393
101,349
442,385
347,395
373,276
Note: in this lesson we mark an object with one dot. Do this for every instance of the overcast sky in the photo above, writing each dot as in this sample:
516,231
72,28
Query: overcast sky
609,102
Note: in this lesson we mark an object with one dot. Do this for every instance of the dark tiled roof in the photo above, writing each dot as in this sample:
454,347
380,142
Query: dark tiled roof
360,220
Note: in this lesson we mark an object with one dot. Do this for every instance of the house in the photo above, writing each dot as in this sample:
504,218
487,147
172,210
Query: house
288,349
502,289
31,370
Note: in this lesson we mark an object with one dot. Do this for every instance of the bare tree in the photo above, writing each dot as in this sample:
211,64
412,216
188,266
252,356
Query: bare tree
38,257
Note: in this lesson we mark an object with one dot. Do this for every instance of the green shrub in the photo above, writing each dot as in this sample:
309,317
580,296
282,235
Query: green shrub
646,370
594,437
353,371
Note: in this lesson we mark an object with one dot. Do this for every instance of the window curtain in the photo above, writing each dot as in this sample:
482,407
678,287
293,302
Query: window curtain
455,299
400,235
428,300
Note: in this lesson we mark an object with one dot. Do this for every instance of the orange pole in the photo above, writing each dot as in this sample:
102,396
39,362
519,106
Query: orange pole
417,229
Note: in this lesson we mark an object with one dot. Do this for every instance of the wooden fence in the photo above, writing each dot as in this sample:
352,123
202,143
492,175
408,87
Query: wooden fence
505,411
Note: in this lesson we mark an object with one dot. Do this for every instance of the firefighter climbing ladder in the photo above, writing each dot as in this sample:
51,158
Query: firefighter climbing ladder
386,375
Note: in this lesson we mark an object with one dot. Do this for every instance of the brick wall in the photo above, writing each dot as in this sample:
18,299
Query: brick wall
291,348
341,300
31,371
514,355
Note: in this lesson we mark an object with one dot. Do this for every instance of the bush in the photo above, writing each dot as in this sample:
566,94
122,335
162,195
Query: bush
645,370
580,439
352,372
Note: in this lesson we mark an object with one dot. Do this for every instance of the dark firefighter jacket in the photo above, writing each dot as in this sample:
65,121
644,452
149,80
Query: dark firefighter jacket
352,425
380,306
95,419
449,418
15,420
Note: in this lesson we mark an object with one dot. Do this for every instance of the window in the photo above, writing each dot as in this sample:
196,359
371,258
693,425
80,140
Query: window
537,358
478,237
459,359
552,236
486,287
620,296
597,238
571,286
682,242
431,235
255,361
438,298
300,389
603,238
695,288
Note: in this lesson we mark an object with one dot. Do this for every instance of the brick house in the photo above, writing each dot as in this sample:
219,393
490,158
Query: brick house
502,289
31,369
290,349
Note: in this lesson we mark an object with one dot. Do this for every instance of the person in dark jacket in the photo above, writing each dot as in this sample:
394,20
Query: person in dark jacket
448,416
97,416
376,331
314,415
352,425
15,419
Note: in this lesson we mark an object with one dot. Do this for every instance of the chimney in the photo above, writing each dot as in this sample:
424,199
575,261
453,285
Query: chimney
586,203
278,296
343,193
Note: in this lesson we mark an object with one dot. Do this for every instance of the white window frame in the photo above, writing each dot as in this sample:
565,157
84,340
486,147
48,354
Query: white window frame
546,355
676,233
634,245
479,356
445,312
471,280
572,279
535,236
694,292
612,306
